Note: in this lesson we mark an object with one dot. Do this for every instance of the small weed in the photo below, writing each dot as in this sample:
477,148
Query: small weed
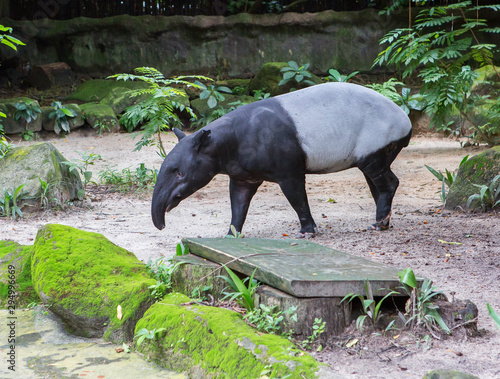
260,94
420,307
11,203
200,293
45,202
494,315
488,194
144,333
370,308
318,329
127,179
5,147
448,178
267,320
243,293
81,165
162,271
28,135
235,233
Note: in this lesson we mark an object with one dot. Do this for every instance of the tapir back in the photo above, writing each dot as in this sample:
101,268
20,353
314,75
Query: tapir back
338,124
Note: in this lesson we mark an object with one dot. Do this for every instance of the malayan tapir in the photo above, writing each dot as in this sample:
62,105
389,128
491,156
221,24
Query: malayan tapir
317,130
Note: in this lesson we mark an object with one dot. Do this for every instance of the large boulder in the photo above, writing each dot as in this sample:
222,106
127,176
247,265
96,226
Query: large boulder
74,122
16,287
86,280
211,342
13,126
269,76
41,161
480,169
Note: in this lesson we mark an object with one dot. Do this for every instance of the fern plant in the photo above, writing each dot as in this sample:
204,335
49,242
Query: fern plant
158,112
440,46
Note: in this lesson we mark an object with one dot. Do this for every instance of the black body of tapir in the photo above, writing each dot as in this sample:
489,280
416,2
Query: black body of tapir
321,129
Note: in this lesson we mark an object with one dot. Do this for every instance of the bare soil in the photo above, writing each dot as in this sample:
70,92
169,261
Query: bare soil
421,228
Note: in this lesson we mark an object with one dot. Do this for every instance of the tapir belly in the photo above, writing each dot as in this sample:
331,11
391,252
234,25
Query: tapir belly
338,124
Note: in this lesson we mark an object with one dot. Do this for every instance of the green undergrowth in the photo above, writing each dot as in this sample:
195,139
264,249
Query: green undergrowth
218,342
17,259
86,274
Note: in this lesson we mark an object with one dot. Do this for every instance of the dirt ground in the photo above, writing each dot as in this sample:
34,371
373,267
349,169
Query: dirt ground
469,270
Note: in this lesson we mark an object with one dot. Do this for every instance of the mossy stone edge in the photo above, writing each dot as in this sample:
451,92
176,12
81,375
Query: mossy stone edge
218,343
83,277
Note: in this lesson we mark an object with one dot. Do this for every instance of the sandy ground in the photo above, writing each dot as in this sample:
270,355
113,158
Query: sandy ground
470,270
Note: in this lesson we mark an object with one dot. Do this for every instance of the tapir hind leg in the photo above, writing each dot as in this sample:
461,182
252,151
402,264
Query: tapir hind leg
294,190
241,194
382,181
385,186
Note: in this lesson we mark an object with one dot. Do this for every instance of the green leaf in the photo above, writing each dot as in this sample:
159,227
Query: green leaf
293,65
212,102
407,277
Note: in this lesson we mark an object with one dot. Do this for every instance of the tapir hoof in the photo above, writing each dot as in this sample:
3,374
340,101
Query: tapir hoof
382,224
305,235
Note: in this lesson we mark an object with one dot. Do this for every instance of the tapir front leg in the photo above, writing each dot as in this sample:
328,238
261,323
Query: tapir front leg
295,191
241,194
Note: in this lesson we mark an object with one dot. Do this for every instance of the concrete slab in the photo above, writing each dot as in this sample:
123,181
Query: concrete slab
298,267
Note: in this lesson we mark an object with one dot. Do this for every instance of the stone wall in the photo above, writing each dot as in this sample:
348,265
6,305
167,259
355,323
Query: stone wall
235,46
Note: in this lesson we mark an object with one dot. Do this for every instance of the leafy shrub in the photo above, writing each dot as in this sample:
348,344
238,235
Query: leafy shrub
406,101
441,45
212,93
296,73
336,76
61,116
26,110
158,112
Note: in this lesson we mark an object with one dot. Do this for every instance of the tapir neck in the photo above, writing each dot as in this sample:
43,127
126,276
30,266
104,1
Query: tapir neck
225,146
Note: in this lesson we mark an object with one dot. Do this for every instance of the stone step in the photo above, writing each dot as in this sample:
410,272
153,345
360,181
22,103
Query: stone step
298,267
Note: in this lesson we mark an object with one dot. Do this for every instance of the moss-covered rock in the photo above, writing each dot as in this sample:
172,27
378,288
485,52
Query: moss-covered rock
15,276
98,89
13,126
84,277
74,122
217,342
201,107
448,374
100,117
27,165
480,169
269,76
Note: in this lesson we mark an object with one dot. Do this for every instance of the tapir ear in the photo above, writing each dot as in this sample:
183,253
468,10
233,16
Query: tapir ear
179,134
201,139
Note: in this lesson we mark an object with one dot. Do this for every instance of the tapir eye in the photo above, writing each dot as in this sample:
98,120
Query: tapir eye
180,174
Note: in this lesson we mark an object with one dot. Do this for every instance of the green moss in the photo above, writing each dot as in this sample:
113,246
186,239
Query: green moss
96,90
16,258
219,342
85,274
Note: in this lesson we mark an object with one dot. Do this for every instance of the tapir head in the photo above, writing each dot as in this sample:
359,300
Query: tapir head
190,166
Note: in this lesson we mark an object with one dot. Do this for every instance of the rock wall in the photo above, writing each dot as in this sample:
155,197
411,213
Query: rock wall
235,46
